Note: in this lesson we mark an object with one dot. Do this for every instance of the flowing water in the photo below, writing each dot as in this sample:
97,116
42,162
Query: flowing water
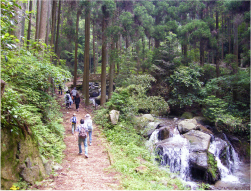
175,154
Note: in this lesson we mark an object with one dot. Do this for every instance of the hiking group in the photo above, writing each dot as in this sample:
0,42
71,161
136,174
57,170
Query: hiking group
84,131
85,128
72,97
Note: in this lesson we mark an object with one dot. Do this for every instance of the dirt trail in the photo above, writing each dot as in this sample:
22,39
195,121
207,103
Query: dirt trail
79,173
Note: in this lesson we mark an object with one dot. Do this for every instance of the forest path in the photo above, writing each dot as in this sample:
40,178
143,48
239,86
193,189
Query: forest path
79,173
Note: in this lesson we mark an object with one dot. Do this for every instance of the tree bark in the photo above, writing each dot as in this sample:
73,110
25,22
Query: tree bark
103,71
58,26
38,19
111,72
29,25
43,20
48,22
87,51
201,53
76,51
53,24
94,53
23,21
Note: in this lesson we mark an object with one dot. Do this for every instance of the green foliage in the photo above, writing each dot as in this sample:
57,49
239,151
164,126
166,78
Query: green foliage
212,165
186,85
26,106
132,159
217,110
204,186
133,97
8,24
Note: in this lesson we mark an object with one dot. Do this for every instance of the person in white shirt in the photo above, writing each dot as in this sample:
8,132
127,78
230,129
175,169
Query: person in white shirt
74,93
88,124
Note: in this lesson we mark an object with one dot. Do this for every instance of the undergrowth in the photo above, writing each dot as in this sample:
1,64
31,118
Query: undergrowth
132,159
28,101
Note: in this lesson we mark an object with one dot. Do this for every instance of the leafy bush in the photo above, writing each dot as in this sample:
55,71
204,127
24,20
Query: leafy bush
216,110
186,85
26,104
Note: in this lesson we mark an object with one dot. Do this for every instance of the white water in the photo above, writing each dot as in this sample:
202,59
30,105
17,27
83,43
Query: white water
232,158
176,156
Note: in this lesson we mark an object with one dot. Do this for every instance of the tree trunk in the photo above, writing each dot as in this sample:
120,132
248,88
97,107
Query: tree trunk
43,20
87,64
48,22
201,53
53,24
103,71
94,53
23,21
157,43
29,25
58,26
76,51
38,19
111,73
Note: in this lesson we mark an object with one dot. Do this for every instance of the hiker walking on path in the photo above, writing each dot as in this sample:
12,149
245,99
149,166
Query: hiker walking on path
59,89
74,93
82,137
73,121
67,100
88,124
77,101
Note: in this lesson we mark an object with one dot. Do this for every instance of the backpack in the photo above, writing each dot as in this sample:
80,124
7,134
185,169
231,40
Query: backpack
82,133
74,120
89,125
67,97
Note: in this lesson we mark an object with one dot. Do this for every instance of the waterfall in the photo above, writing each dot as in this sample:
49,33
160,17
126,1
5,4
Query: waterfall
232,161
175,155
150,144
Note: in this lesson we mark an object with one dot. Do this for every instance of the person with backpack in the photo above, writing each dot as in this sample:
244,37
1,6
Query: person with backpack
82,137
88,124
77,101
74,93
67,100
73,121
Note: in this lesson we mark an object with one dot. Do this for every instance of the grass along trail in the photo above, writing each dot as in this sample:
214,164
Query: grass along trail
79,173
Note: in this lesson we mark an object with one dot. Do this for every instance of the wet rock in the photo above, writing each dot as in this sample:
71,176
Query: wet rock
187,125
147,117
199,160
198,140
164,133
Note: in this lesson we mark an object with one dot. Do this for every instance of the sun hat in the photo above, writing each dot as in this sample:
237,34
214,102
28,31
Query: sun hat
88,115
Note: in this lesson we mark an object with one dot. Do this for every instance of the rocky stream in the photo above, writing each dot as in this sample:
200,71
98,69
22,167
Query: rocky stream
197,154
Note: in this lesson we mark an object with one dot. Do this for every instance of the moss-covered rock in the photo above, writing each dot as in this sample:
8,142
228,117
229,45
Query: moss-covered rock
213,173
19,155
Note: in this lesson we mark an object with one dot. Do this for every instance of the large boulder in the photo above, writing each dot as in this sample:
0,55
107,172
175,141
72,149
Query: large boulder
147,117
198,140
187,125
165,133
114,116
149,129
31,174
198,160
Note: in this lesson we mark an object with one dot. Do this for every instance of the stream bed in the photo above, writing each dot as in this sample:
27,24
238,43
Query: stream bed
176,152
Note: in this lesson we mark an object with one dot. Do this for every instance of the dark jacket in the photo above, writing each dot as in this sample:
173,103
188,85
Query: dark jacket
77,100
